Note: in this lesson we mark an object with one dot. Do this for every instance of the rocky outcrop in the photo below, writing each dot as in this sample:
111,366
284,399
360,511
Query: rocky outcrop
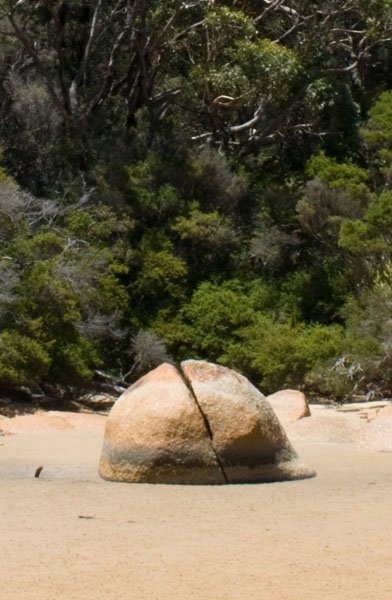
382,411
52,421
289,405
196,424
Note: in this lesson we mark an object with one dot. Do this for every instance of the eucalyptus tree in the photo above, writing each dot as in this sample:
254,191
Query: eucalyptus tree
237,74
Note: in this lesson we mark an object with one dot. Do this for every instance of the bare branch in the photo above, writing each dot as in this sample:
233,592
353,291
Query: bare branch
271,6
32,52
81,74
133,10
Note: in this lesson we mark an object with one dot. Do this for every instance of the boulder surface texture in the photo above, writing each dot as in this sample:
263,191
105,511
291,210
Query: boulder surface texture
196,423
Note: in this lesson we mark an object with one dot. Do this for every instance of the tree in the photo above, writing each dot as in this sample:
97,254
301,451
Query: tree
242,77
210,172
62,299
377,135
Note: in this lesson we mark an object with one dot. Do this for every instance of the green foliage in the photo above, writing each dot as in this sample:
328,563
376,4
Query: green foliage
378,132
42,246
206,235
98,224
249,67
330,380
62,297
379,214
205,325
154,199
378,138
235,325
3,174
371,237
281,353
266,64
346,177
74,363
226,26
216,175
161,272
367,348
23,361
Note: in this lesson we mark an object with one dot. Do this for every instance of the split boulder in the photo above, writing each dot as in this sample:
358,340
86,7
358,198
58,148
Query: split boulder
199,423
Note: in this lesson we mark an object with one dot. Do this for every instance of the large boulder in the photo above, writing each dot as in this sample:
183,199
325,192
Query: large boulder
196,424
155,433
247,436
289,405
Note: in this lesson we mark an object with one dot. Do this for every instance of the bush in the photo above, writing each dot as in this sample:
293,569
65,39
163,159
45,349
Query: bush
23,361
211,320
280,354
74,362
368,340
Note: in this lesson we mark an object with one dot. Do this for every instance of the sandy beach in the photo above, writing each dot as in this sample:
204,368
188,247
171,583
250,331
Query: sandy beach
70,535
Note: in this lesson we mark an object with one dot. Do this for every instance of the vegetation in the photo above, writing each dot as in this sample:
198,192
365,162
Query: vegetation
209,179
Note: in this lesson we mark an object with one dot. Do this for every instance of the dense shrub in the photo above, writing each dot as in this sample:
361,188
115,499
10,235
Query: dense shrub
23,361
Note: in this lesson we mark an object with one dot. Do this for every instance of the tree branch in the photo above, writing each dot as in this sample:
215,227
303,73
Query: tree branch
32,52
81,74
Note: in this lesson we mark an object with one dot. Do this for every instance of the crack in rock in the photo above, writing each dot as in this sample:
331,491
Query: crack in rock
207,425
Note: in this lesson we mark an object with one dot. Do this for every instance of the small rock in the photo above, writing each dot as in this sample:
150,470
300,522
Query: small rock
289,405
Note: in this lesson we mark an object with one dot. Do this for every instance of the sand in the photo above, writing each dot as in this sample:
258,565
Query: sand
70,535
